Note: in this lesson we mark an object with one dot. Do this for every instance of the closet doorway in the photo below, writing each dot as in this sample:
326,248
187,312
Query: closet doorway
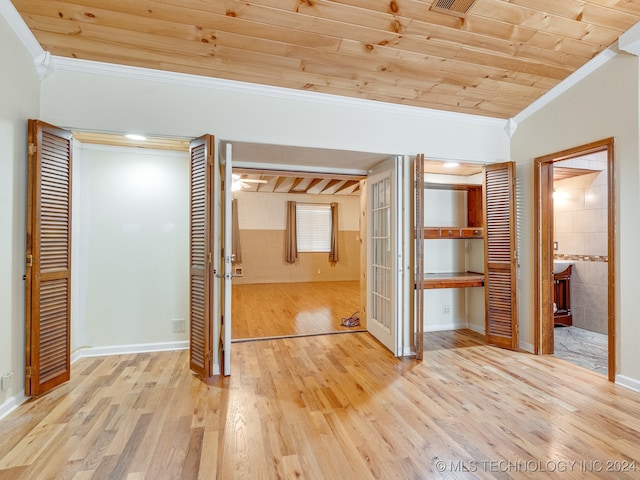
575,219
466,238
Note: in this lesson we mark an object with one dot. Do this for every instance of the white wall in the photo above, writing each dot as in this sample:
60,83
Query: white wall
19,101
117,100
448,208
604,104
117,103
131,254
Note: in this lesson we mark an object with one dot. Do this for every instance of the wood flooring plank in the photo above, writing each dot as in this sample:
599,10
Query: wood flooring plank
287,309
329,406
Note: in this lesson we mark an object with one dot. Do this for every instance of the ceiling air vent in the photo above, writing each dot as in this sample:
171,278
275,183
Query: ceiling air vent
459,8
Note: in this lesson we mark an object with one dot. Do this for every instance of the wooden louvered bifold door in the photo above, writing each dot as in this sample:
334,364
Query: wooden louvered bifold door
48,248
418,255
201,267
500,255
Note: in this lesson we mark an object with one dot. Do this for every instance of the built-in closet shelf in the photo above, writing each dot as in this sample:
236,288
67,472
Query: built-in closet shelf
453,232
453,280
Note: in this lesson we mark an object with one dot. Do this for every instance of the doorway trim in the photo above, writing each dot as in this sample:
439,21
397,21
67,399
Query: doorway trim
543,258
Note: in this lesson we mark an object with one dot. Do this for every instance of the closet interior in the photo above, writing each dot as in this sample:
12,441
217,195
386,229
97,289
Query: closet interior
453,236
466,256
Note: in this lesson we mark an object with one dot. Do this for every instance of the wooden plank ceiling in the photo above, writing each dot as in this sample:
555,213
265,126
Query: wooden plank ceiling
273,181
495,60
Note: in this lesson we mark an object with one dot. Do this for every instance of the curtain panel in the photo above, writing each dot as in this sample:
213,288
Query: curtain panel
333,253
290,239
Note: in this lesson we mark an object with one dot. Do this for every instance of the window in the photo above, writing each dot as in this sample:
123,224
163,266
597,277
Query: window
313,227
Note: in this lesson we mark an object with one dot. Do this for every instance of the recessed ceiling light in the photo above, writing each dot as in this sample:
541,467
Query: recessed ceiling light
134,136
451,165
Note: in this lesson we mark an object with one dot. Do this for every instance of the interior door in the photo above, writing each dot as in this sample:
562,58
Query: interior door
501,259
202,220
383,252
48,262
227,257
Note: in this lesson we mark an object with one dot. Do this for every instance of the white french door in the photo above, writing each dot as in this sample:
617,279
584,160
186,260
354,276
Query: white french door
222,262
227,198
384,257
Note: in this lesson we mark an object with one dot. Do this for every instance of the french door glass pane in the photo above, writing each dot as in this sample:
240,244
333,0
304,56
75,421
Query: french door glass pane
381,255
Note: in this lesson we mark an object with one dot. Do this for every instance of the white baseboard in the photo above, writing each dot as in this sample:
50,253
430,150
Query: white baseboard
440,327
476,328
11,404
527,347
124,349
408,351
628,382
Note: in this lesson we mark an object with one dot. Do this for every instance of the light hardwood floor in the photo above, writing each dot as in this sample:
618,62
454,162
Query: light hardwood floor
328,407
287,309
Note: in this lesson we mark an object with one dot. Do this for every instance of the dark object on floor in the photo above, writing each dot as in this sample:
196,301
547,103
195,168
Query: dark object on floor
352,321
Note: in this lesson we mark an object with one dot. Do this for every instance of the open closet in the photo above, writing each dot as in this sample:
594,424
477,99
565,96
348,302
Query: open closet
465,250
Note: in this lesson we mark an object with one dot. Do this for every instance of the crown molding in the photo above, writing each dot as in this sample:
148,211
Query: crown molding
93,67
629,41
569,82
18,25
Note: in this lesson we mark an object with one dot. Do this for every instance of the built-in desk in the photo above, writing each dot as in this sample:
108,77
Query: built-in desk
453,280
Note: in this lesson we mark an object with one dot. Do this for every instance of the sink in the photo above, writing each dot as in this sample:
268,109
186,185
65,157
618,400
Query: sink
561,266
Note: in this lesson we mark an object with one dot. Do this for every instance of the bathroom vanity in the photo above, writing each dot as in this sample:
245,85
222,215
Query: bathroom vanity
562,293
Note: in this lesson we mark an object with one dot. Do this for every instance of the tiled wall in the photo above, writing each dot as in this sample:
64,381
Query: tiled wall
580,230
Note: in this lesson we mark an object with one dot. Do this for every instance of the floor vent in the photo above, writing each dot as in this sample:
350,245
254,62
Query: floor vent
459,8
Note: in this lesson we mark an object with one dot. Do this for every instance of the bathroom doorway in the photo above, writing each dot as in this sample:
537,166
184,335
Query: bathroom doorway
574,256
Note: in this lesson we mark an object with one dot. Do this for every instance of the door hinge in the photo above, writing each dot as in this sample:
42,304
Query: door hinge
29,260
28,372
32,149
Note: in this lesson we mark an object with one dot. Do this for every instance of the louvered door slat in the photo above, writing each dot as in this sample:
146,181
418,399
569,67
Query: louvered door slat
201,239
500,257
49,245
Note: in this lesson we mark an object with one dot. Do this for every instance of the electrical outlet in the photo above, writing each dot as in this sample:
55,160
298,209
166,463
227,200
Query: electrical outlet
178,325
446,310
7,381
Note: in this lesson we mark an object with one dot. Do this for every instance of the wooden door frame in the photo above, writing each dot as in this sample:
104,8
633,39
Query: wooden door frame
543,258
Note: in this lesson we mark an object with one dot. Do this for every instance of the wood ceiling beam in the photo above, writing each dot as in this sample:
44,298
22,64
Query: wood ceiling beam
293,173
